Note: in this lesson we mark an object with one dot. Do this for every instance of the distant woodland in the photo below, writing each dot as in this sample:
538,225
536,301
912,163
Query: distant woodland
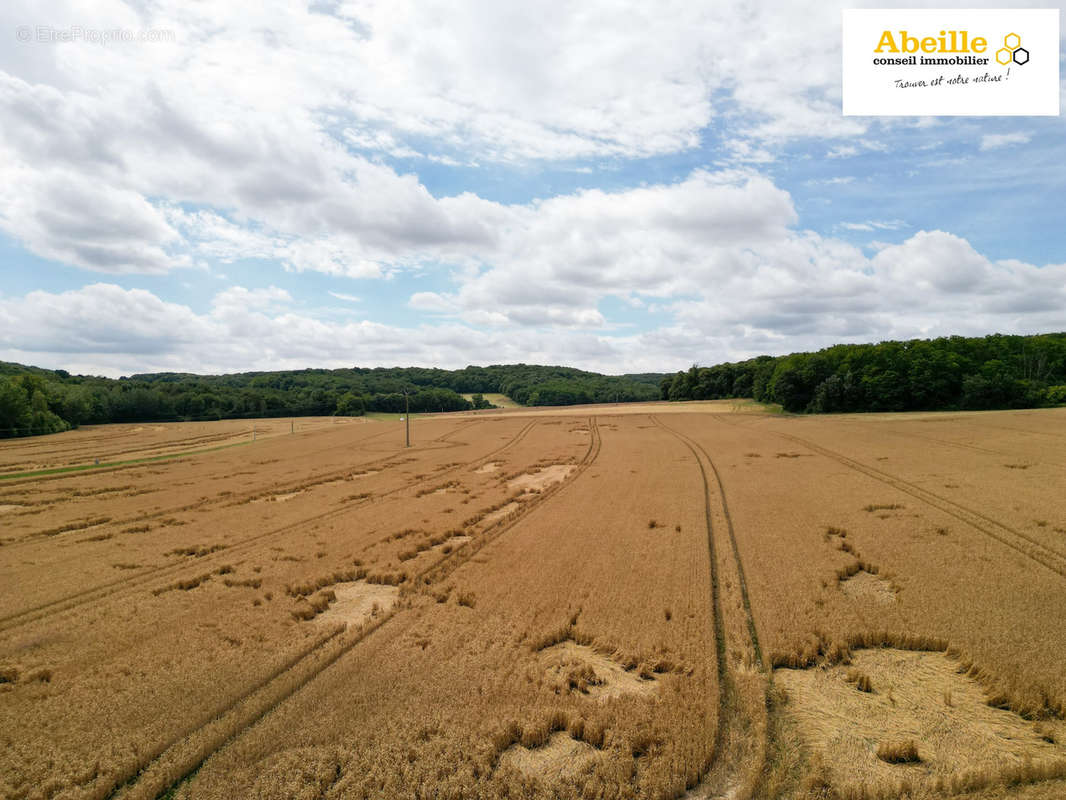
36,401
917,375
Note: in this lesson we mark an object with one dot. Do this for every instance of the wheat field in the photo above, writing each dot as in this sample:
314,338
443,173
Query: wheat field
663,601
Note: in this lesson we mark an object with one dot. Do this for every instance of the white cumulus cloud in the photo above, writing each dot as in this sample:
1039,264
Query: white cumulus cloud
993,141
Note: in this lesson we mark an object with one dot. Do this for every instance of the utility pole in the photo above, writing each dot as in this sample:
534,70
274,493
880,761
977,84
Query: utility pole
407,415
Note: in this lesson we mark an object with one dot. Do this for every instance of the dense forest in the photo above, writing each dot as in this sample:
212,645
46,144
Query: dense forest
949,373
918,375
35,401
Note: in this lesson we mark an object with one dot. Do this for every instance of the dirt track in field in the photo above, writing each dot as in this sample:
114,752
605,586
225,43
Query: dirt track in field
649,601
104,444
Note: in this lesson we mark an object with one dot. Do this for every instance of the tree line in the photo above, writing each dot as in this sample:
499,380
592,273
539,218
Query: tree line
949,373
35,401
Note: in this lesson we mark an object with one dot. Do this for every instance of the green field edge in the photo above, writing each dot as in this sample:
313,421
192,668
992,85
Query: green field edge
82,467
498,399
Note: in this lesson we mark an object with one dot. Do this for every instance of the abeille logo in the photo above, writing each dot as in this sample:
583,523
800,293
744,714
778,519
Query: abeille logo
946,42
1012,50
951,61
950,48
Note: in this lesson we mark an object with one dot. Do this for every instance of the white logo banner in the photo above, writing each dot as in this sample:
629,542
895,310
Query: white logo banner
946,62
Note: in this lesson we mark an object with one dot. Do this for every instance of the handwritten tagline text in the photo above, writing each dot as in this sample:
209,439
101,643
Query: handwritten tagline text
958,80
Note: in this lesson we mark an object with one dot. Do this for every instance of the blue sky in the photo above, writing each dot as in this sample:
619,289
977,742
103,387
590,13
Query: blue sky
467,183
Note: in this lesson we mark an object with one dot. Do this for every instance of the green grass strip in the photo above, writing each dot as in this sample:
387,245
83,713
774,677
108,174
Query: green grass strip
106,464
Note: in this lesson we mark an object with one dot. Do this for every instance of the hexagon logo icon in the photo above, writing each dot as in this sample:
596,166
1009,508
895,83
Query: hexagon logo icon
1012,41
1021,55
1004,56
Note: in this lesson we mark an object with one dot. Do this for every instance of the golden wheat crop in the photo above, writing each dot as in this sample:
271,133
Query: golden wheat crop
568,604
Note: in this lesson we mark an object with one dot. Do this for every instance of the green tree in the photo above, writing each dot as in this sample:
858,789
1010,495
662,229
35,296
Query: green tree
15,414
350,405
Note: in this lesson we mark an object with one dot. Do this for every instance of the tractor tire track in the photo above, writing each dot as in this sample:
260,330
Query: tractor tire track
183,756
981,423
100,592
446,566
731,533
973,447
246,497
167,458
240,499
741,737
1032,548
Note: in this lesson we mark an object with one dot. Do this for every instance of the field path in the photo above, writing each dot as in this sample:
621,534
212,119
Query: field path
1017,540
967,446
743,678
446,566
239,498
559,605
109,442
138,579
183,755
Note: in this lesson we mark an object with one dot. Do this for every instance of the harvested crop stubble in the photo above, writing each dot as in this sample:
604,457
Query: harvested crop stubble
474,696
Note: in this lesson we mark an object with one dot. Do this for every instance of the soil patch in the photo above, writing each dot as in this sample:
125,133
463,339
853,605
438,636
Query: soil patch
492,466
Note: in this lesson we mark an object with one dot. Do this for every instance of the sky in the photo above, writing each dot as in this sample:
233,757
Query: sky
616,186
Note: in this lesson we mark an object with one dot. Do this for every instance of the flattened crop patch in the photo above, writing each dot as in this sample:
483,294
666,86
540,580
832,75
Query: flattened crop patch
500,513
560,757
278,498
864,587
579,669
542,478
918,697
358,601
